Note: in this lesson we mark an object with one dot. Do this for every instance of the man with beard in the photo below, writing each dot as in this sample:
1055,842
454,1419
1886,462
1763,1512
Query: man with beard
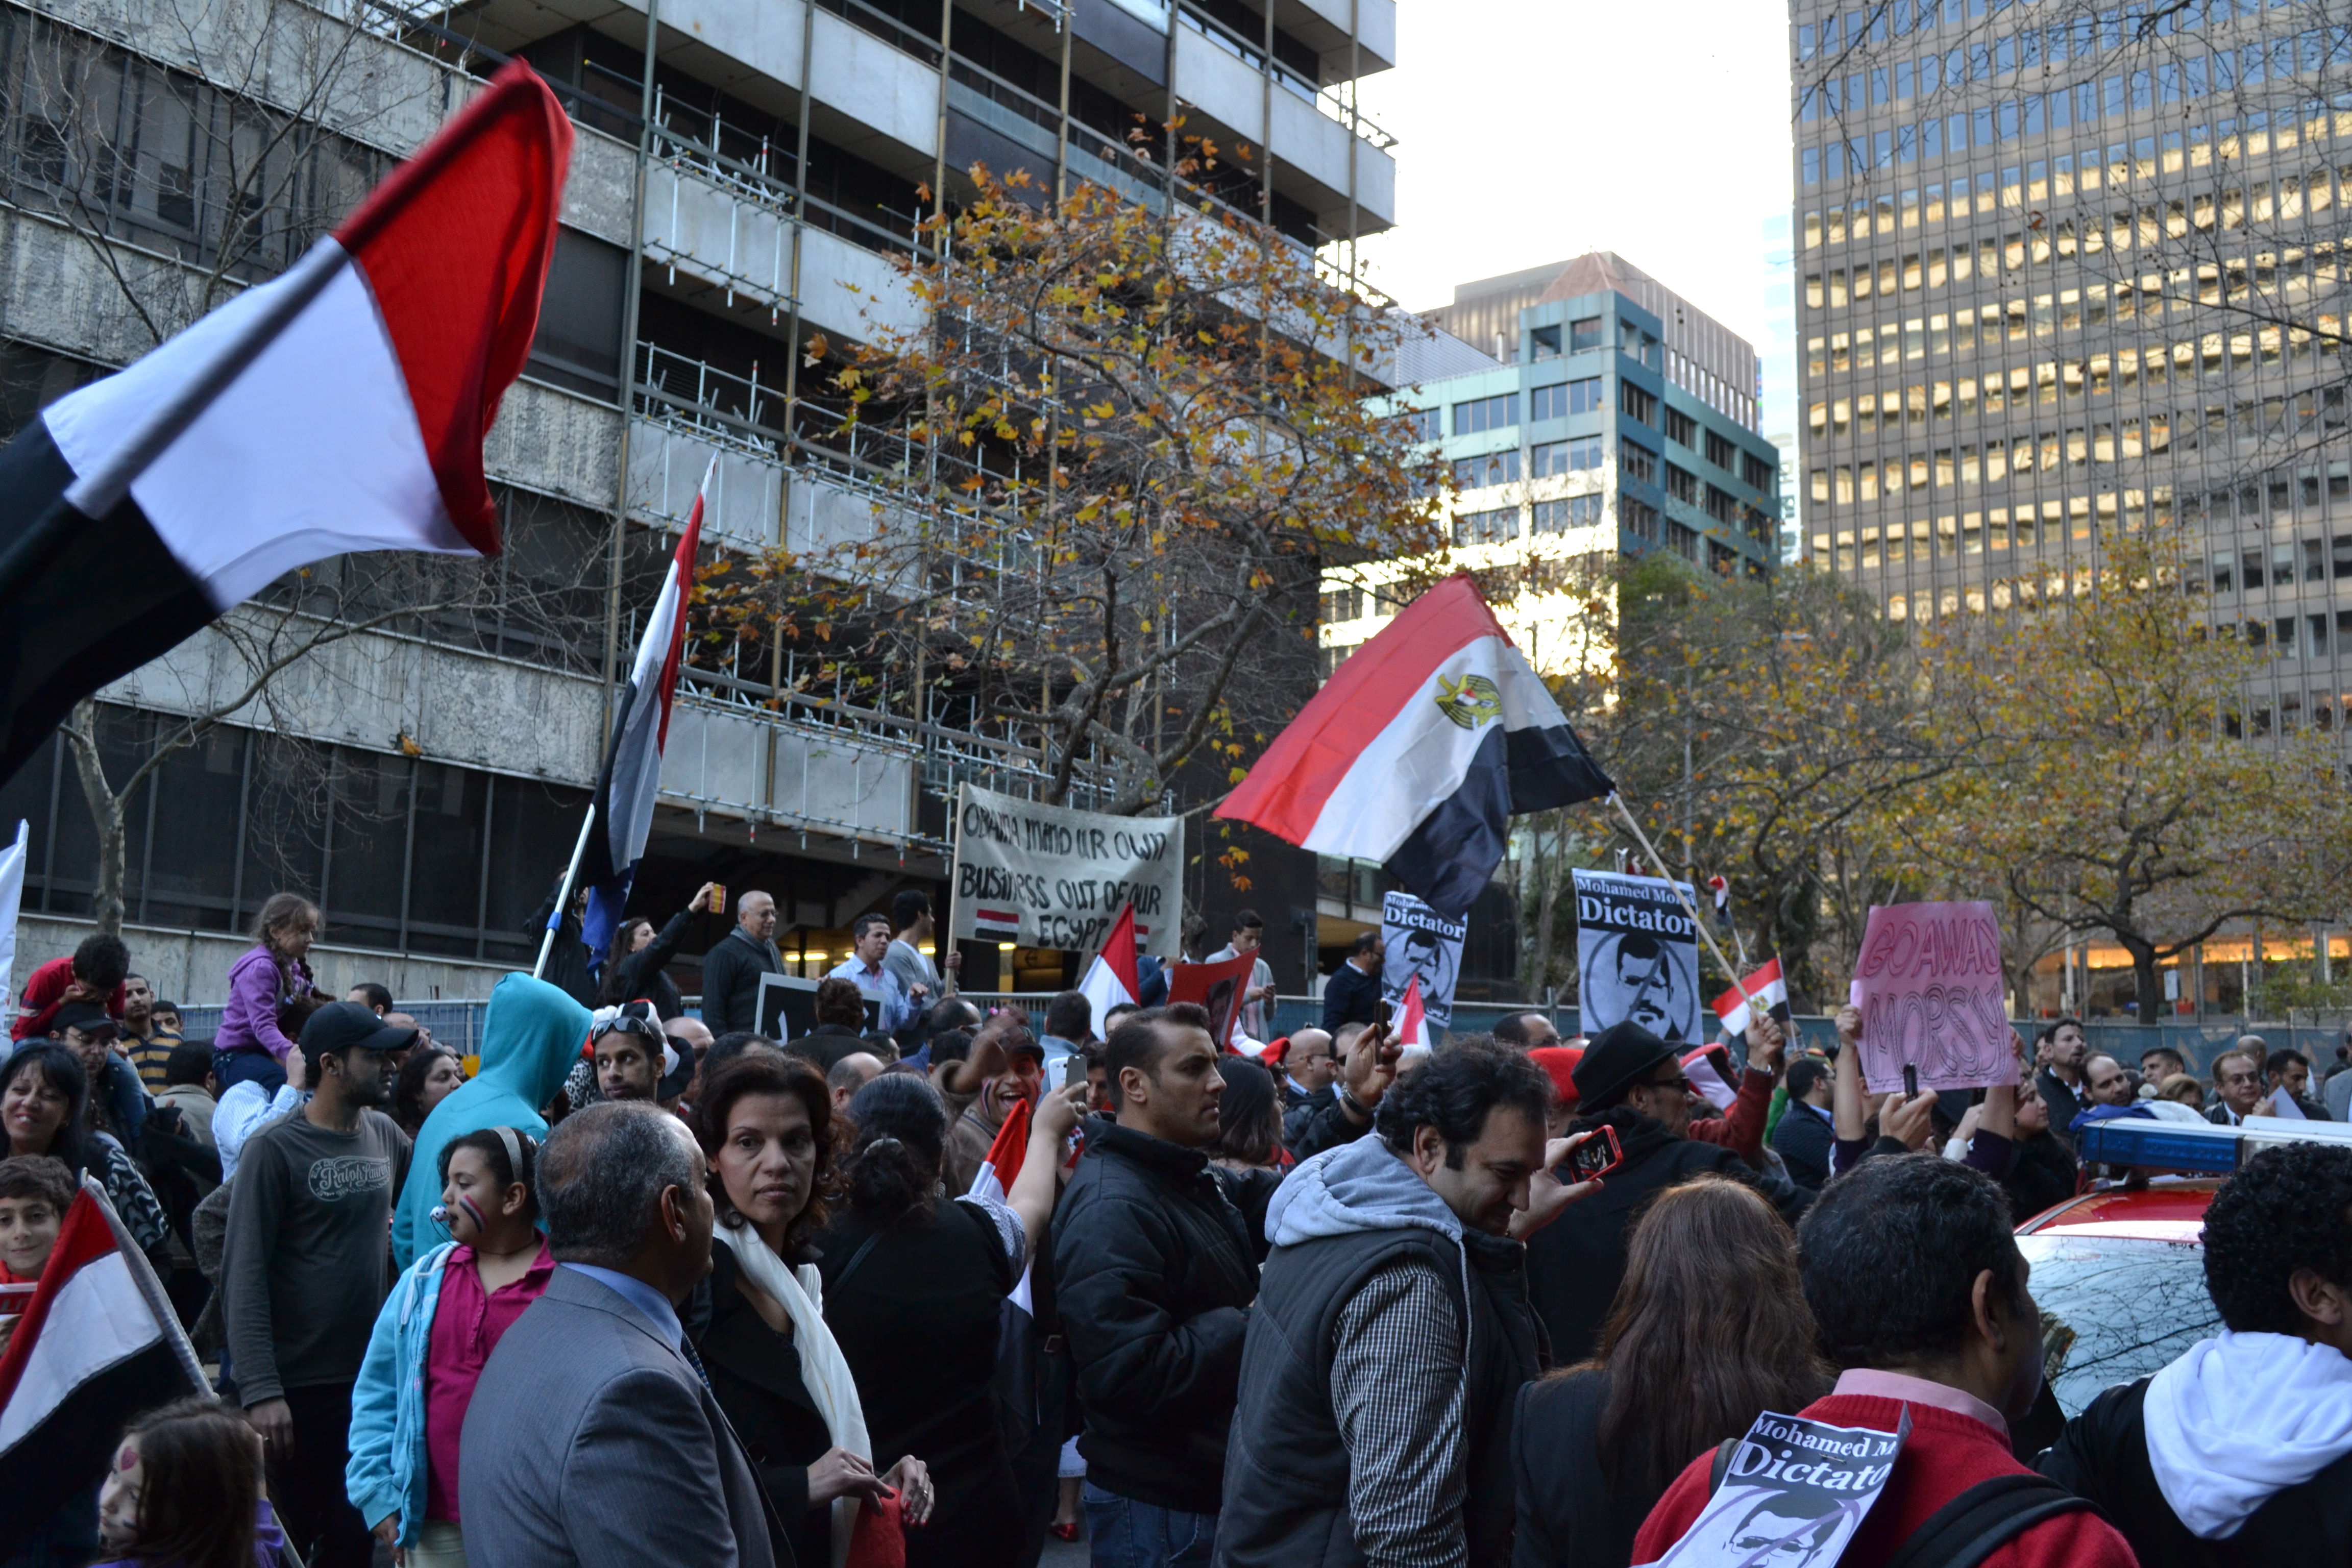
1631,1081
1645,981
306,1268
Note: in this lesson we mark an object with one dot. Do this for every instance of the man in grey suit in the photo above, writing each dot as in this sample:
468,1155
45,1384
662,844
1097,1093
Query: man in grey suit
593,1439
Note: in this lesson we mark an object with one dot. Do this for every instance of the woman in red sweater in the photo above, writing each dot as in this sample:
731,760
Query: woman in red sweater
1922,1298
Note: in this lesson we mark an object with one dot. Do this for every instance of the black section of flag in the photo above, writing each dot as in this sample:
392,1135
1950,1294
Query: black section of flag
69,1448
82,601
1448,860
1550,767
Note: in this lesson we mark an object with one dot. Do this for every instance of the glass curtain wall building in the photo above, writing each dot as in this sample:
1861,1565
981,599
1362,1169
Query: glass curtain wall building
744,181
2070,268
1614,418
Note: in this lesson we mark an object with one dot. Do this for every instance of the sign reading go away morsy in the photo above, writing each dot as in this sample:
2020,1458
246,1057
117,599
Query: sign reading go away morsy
1929,983
1791,1497
1042,876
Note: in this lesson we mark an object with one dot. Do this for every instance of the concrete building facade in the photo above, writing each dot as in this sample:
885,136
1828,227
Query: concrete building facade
745,179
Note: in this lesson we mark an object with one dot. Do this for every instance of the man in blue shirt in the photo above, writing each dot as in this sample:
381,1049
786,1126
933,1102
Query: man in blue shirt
869,943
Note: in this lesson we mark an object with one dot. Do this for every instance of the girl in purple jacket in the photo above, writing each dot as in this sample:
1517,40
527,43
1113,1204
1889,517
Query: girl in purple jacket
249,1044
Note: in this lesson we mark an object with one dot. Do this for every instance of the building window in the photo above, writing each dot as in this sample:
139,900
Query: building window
1545,342
1494,469
1722,506
1343,605
1682,540
1498,525
1640,520
1559,516
1680,427
1497,412
1637,404
1755,471
1563,398
1682,484
1721,453
1584,334
1638,462
1552,457
1425,424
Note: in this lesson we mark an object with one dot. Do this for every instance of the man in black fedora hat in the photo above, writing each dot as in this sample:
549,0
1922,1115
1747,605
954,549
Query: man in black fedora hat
1631,1081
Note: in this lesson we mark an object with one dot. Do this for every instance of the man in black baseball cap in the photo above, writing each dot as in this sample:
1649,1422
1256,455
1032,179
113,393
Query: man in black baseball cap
1630,1082
117,1103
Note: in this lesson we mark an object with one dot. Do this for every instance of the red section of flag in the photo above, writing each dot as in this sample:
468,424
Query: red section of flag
1010,1145
1284,793
84,1238
683,565
997,917
456,245
1411,1017
1118,952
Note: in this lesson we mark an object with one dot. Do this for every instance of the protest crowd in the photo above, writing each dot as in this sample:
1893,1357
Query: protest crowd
931,1284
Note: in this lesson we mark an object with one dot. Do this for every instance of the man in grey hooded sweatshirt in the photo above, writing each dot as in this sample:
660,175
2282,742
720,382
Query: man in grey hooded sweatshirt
1392,1329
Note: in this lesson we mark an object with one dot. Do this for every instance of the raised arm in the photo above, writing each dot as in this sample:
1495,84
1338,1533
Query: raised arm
1039,1182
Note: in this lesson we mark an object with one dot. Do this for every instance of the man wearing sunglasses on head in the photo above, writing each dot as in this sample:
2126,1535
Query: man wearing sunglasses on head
1631,1081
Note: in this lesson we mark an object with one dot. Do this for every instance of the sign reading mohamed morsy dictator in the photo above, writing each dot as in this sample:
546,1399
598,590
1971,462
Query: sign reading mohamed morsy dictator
1043,875
1928,981
1422,945
1637,956
1419,750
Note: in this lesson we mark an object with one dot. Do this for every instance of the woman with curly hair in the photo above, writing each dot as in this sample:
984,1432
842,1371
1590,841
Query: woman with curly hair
430,1075
766,1123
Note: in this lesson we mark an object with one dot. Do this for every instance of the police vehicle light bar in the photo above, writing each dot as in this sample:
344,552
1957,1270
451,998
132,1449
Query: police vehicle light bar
2188,1147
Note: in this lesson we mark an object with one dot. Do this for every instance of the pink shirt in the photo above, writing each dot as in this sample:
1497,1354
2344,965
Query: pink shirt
1873,1384
467,1327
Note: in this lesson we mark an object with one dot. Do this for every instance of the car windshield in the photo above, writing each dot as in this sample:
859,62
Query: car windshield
2114,1310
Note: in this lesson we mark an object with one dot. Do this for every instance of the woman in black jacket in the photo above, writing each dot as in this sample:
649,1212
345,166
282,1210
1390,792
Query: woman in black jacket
916,1289
633,967
1709,1329
765,1120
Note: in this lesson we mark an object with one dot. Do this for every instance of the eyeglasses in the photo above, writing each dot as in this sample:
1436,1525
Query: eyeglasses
1677,1082
630,1023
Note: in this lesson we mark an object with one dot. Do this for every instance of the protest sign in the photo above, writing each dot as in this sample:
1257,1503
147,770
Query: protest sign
1042,876
1221,987
1930,984
1422,944
786,1008
1636,956
1792,1495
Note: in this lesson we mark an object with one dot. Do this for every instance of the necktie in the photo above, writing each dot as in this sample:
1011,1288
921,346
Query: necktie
685,1348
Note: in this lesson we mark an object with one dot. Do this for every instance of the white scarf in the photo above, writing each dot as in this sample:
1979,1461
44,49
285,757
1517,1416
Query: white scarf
824,1372
2241,1418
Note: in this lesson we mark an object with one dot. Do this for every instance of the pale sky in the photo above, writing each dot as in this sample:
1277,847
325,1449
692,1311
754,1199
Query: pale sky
1533,130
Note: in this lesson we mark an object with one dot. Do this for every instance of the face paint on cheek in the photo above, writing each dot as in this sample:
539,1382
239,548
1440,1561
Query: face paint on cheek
126,1458
467,1204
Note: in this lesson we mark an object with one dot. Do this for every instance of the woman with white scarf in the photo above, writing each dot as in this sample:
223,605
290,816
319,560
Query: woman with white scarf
766,1122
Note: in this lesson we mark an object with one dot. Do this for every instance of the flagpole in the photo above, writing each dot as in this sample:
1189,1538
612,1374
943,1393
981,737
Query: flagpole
563,895
1688,908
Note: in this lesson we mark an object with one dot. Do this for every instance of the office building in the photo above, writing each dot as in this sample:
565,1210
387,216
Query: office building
743,183
1587,412
2068,269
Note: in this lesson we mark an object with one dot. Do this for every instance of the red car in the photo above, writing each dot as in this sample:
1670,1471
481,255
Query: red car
2120,1279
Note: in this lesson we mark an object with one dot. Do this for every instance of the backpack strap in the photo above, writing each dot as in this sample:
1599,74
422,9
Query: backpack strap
1721,1465
856,1258
1972,1526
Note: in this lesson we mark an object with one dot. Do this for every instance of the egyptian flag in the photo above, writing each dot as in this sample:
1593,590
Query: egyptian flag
1409,1026
626,791
1110,979
339,407
1722,892
1710,1072
97,1345
1418,752
1000,1170
1758,987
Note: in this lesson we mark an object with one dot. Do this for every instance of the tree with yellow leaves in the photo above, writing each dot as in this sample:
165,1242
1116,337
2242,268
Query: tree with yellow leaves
2118,781
1117,458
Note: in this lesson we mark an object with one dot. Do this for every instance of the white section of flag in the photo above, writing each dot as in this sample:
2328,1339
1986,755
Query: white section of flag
1762,988
314,450
98,1320
637,752
987,1184
1420,758
11,896
1104,989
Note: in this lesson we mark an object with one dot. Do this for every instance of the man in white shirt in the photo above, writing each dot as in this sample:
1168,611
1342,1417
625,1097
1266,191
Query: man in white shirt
246,1108
863,968
1249,931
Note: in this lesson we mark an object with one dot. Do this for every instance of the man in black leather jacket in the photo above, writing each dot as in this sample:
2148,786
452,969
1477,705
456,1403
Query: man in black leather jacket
1154,1274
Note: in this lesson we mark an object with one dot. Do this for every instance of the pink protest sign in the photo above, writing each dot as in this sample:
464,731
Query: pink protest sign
1930,985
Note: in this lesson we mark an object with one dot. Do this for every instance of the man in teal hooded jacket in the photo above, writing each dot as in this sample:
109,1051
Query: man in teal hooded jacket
530,1037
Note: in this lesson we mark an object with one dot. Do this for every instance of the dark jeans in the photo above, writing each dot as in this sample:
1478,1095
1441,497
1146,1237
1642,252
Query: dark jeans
255,1067
306,1485
1125,1533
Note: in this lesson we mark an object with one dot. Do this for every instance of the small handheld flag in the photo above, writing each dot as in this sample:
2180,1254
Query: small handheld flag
1758,988
1110,979
1419,750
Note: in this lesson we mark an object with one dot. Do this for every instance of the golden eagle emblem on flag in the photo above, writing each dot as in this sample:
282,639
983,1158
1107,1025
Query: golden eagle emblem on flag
1469,702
